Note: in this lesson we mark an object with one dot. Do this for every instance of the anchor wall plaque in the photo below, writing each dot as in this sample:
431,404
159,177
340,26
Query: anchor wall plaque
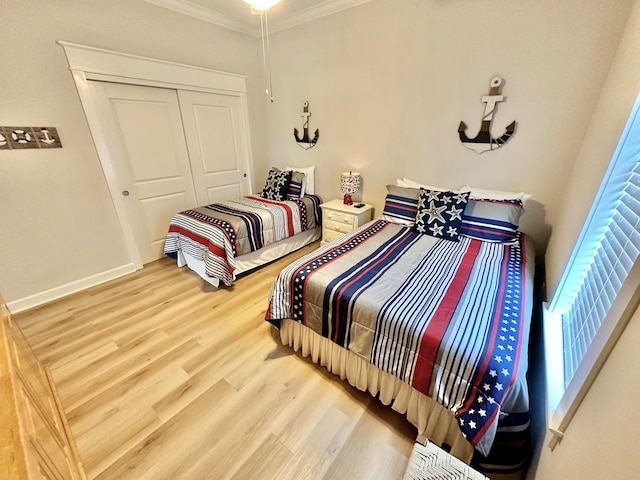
306,142
21,138
484,141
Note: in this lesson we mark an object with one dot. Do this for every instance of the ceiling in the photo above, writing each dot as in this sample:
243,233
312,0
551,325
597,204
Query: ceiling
236,14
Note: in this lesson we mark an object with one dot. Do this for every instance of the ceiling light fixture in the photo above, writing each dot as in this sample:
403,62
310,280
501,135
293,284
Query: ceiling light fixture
260,7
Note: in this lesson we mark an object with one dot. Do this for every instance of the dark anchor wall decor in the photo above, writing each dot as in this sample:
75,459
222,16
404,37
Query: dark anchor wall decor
306,142
484,141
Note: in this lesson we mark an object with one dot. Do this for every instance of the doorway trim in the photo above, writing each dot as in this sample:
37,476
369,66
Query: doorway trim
92,63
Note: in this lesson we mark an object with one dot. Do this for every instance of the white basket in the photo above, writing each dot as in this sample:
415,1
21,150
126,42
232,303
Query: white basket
430,462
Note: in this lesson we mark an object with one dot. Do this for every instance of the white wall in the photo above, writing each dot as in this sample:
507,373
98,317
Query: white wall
600,441
388,87
602,136
58,222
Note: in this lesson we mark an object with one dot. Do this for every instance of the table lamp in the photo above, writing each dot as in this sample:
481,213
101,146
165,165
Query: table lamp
349,184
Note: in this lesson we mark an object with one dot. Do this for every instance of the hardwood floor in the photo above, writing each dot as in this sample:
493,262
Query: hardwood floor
162,376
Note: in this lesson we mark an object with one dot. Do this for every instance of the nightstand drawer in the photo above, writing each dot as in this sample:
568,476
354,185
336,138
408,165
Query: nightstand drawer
342,228
339,217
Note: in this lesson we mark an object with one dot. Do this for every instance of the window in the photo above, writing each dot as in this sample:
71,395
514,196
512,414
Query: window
599,290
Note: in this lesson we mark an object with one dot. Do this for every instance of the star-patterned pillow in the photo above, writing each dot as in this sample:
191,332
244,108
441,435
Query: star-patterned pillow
440,213
275,188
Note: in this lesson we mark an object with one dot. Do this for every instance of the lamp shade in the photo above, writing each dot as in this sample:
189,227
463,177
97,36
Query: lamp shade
349,182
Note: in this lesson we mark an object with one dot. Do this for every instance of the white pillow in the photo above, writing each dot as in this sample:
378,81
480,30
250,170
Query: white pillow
405,182
309,178
483,193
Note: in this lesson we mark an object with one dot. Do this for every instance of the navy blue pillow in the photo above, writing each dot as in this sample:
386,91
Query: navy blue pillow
275,188
440,213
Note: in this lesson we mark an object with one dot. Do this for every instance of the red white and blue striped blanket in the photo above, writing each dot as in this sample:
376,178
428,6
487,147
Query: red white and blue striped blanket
219,233
450,319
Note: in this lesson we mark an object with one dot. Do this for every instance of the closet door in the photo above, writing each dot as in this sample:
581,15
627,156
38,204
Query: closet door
217,142
143,133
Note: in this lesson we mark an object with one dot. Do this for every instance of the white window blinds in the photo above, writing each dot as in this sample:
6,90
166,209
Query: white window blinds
599,290
609,248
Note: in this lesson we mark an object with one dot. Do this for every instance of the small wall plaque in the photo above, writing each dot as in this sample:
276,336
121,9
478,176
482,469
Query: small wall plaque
20,138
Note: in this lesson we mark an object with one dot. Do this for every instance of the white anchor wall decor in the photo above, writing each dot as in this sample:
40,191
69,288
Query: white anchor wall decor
484,141
306,142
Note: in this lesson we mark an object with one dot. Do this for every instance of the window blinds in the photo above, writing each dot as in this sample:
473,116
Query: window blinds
609,248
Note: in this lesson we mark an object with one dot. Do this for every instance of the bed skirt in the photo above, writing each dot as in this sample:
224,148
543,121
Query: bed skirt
251,260
432,420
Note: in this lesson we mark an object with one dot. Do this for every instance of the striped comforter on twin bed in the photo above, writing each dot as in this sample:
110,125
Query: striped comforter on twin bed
451,319
220,232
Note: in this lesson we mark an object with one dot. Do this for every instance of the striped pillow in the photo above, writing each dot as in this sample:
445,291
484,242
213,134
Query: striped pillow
295,190
494,221
401,205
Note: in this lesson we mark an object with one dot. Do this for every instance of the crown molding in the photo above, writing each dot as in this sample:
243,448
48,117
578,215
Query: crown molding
322,9
201,13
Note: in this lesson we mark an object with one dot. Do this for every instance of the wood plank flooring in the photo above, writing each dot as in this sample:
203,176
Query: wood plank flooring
162,376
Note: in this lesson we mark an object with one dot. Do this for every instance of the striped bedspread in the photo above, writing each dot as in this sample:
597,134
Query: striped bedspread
220,232
451,319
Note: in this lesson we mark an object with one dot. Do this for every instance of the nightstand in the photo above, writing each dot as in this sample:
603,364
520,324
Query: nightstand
339,219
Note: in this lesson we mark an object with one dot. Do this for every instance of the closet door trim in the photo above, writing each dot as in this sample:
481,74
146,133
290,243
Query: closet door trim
99,62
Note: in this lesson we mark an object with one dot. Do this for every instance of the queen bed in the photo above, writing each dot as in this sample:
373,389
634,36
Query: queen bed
429,308
222,240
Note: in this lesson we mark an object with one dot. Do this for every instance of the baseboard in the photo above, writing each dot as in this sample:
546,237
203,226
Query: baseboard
63,290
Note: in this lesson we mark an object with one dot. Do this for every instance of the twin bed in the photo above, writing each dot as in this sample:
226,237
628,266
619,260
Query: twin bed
427,307
222,240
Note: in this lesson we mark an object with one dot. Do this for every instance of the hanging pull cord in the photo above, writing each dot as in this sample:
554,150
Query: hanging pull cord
266,54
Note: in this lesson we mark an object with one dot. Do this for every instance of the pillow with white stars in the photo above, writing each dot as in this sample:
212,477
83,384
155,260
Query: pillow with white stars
440,213
275,188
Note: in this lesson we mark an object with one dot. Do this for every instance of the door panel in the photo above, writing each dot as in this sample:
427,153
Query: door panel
217,143
214,194
147,129
214,124
155,210
145,138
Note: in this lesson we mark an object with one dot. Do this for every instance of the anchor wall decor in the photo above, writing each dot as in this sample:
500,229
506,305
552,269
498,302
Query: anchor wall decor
306,142
484,141
21,138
